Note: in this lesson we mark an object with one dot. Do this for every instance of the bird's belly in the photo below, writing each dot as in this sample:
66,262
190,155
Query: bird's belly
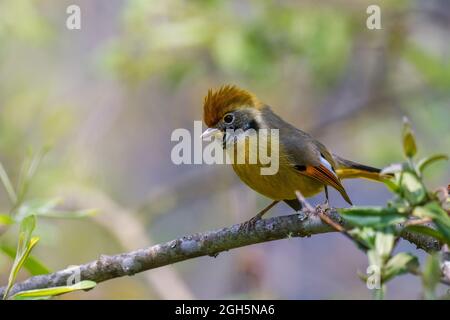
280,186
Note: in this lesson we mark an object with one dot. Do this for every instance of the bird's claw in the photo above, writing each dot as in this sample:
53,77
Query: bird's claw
307,212
324,208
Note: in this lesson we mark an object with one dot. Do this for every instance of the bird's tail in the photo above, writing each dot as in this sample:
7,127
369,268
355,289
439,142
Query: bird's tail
347,169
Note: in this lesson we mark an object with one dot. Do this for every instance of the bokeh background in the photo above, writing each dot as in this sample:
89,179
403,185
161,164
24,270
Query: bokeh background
107,98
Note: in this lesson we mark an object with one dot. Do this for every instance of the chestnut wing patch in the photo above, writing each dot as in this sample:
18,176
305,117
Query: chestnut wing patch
324,175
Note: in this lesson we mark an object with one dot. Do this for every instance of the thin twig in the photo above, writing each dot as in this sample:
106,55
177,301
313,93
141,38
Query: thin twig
416,222
303,201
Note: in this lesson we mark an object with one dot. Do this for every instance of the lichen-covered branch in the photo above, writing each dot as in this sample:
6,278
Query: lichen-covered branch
200,244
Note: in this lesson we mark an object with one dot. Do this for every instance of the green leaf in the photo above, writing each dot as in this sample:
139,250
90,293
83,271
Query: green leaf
431,276
409,142
428,232
8,185
439,216
47,208
24,247
54,291
384,243
365,235
413,189
430,160
391,185
5,220
444,228
375,217
391,174
399,264
36,207
383,246
39,205
431,210
32,264
374,258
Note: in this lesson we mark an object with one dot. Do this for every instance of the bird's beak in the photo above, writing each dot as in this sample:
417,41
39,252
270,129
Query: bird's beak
209,133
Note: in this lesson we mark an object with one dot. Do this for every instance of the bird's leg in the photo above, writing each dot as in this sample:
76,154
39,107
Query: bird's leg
263,211
326,206
250,223
327,201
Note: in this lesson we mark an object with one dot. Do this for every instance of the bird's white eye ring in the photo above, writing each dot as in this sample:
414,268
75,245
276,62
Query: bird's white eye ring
228,118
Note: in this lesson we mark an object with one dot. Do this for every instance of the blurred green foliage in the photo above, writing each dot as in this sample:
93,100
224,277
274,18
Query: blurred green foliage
21,21
177,38
414,205
24,212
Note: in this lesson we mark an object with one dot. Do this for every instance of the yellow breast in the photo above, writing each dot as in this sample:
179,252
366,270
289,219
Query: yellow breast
279,186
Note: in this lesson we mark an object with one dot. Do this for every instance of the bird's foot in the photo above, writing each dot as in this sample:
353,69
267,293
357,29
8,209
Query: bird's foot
310,211
246,226
323,208
306,212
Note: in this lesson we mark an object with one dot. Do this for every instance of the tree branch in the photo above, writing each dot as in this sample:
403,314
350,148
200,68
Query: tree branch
200,244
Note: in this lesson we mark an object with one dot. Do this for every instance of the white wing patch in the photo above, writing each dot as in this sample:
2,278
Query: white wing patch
327,165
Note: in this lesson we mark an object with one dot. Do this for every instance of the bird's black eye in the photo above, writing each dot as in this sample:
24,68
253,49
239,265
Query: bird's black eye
229,118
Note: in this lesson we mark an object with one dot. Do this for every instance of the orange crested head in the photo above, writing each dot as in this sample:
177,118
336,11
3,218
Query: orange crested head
225,99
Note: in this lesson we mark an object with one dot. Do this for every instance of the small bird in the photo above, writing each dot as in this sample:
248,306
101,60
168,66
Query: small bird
305,164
